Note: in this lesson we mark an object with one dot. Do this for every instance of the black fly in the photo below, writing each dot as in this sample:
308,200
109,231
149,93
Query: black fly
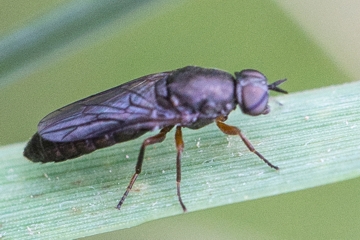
191,97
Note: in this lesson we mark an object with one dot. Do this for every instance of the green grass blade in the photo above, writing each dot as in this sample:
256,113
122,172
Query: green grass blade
24,48
312,137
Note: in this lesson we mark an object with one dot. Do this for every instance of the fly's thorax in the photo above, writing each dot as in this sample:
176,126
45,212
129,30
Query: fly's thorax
208,92
252,92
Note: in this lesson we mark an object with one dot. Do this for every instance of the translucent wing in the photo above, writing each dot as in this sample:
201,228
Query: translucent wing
128,107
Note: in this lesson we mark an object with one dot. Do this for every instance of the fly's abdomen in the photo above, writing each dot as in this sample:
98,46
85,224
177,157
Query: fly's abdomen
41,150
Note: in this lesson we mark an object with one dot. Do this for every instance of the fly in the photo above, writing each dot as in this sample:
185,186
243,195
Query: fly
191,97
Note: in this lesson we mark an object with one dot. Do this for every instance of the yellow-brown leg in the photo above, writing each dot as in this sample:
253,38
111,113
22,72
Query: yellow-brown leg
179,147
151,140
232,130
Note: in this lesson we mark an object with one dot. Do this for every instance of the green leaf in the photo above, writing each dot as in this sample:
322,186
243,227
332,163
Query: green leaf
25,48
312,136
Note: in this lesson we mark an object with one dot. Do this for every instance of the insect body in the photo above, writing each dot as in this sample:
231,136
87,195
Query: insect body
189,97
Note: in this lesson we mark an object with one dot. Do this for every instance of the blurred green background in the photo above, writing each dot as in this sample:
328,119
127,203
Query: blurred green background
275,37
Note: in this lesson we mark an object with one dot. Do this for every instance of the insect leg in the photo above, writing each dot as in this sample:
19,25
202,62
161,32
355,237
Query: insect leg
179,147
151,140
232,130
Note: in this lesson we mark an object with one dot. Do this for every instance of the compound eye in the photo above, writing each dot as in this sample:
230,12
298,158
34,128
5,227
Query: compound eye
254,99
252,92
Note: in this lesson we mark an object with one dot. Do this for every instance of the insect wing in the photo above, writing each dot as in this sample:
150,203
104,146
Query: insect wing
119,108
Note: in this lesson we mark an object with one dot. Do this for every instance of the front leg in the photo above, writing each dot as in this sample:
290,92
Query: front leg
232,130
